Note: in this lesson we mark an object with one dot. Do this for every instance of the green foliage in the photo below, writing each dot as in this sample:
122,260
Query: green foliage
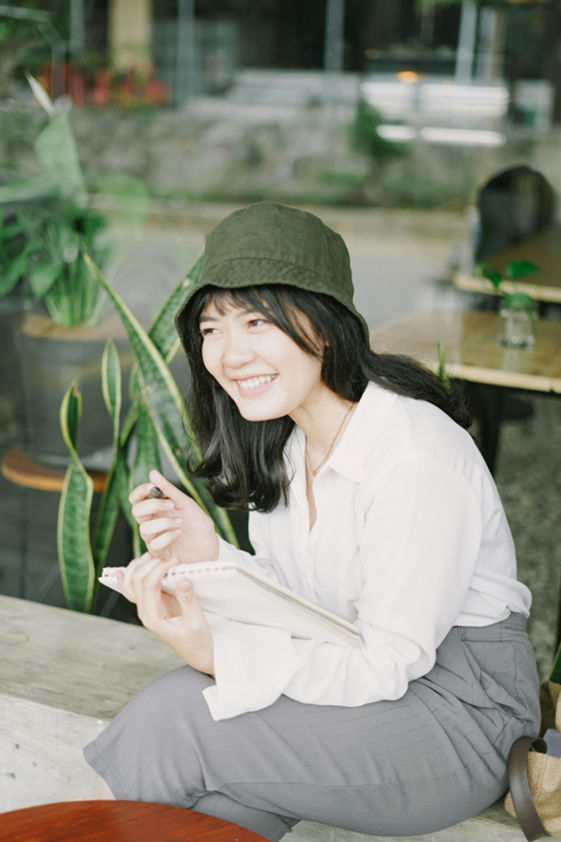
73,541
46,227
441,371
514,270
365,137
156,421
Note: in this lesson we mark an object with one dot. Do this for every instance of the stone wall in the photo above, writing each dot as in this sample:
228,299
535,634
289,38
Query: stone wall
223,151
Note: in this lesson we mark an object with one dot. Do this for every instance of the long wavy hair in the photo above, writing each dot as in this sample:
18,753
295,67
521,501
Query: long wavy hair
243,461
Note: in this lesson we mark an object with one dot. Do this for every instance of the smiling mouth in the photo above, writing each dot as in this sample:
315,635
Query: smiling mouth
254,384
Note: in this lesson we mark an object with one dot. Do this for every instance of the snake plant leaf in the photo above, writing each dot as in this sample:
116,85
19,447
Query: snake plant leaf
73,539
162,333
163,400
147,456
111,385
520,269
109,504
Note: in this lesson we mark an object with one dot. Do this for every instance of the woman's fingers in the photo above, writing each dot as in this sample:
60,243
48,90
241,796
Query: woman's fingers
126,578
161,542
139,493
157,525
170,491
148,508
144,572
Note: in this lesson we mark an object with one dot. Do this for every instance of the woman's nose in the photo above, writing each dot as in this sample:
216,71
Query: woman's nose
236,350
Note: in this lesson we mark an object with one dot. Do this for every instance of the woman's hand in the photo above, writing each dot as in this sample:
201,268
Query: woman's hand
176,620
173,525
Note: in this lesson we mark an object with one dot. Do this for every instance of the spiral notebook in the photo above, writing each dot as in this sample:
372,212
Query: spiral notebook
238,593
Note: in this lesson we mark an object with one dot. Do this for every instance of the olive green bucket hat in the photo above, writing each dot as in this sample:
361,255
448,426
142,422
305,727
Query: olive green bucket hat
269,243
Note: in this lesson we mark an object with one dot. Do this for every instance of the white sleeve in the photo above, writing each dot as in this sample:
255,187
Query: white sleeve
419,548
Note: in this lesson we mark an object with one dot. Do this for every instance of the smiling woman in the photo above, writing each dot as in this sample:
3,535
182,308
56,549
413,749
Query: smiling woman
367,496
259,366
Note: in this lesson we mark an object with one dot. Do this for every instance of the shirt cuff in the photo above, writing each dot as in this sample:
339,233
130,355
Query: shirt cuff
252,666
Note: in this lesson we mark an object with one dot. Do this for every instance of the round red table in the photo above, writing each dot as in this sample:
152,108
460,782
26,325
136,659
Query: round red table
116,821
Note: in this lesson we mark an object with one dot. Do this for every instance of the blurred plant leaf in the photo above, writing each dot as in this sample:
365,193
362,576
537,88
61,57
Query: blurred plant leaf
520,269
40,95
109,504
519,301
73,533
483,270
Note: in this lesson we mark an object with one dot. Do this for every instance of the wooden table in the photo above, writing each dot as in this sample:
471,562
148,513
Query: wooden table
544,250
117,821
471,352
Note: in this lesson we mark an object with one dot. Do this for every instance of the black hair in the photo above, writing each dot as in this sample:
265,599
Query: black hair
243,460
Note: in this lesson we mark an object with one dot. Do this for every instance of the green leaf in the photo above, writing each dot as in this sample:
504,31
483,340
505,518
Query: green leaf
483,270
111,385
73,538
520,269
442,365
41,95
27,189
11,275
519,301
162,332
109,504
57,153
147,452
42,277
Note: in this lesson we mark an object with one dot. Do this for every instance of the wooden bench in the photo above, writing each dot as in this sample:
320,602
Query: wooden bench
64,675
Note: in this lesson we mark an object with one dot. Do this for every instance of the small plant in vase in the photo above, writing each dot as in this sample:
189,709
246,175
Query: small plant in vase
518,308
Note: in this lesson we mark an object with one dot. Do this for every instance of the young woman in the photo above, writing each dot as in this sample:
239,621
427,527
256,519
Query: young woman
366,495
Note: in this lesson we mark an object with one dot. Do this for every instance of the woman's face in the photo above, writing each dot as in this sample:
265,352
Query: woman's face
258,365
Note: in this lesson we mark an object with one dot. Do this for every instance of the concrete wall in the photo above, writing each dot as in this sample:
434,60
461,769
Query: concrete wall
218,150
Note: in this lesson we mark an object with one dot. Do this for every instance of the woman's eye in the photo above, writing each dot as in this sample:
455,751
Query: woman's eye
257,322
208,331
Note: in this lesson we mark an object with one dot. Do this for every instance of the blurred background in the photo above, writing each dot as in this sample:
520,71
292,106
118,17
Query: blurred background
385,118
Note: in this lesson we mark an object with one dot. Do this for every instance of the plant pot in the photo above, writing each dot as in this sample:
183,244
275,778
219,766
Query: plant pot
52,357
11,393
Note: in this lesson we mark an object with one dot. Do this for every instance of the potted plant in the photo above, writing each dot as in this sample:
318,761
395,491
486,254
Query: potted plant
518,309
46,227
155,424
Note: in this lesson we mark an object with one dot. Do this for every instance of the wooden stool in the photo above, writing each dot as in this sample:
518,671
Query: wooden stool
117,821
22,470
25,472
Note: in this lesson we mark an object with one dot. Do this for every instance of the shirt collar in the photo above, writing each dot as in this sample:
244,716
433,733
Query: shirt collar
351,454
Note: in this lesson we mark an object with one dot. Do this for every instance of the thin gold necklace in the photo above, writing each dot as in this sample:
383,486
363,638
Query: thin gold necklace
315,471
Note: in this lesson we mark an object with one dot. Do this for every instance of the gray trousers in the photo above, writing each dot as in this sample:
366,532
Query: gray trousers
426,761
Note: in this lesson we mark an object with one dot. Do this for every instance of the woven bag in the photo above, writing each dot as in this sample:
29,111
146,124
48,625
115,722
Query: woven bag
535,776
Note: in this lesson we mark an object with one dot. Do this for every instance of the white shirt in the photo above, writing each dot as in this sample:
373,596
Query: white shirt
410,539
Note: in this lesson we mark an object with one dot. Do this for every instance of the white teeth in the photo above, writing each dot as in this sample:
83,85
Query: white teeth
253,382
